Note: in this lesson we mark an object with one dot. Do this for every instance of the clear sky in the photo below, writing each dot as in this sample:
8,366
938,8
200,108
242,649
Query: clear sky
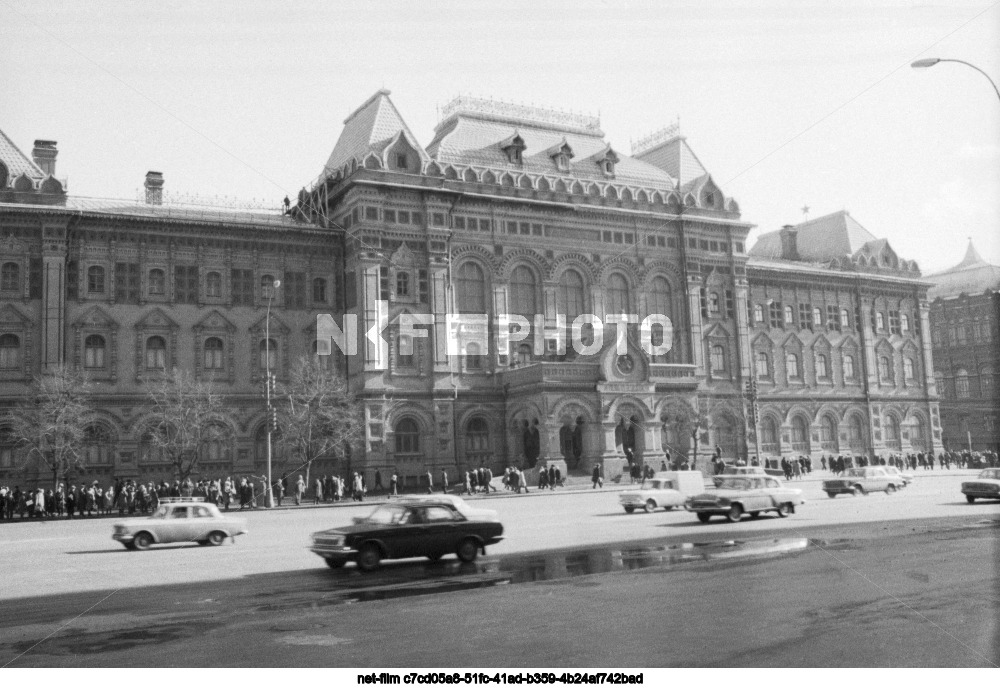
788,104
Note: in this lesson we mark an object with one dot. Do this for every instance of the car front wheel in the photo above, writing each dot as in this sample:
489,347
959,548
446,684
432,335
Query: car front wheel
734,514
216,538
970,499
629,509
704,517
890,489
468,550
650,506
857,490
142,540
369,557
831,495
783,510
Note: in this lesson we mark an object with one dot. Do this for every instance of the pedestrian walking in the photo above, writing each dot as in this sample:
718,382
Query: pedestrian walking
595,476
430,483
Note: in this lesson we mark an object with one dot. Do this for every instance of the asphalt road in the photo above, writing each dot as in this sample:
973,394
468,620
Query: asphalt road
902,580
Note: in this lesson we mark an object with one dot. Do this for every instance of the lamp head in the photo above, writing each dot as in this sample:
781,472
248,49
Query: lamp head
277,283
926,62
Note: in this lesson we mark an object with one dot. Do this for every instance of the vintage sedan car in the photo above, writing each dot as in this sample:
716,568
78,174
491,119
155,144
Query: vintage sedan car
896,473
739,470
985,486
738,495
666,489
179,521
423,527
859,481
470,512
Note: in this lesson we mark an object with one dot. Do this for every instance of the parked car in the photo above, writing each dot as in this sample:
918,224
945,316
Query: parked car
424,527
470,512
896,473
859,481
985,486
179,521
739,470
738,495
666,489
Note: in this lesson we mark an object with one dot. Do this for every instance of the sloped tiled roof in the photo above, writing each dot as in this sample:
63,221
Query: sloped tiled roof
676,158
369,129
17,163
972,276
822,239
474,139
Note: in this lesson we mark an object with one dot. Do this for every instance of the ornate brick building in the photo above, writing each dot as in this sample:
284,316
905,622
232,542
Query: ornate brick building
127,290
965,316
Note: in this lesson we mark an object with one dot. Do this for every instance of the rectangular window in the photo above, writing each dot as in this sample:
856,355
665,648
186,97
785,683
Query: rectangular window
438,219
703,297
422,286
346,222
730,303
512,228
703,243
714,246
629,239
371,213
485,225
606,236
356,215
350,290
692,242
894,322
536,230
661,241
672,242
127,282
295,290
383,283
459,222
651,240
35,278
417,218
186,283
832,318
72,280
805,321
739,247
525,228
774,313
618,238
389,215
242,287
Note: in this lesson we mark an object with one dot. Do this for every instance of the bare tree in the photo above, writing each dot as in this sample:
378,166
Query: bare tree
51,426
316,414
188,414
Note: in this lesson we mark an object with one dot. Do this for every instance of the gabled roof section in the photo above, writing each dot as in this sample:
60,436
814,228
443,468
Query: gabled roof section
369,129
156,319
96,317
676,158
822,239
972,276
16,162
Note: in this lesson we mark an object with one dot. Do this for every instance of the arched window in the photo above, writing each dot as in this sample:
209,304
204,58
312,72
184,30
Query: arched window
10,351
908,370
402,284
216,445
848,367
758,313
268,350
986,382
792,366
97,448
789,315
10,277
845,319
884,369
879,321
962,383
822,371
718,358
471,288
523,354
817,317
855,432
95,279
828,433
319,290
93,351
266,287
891,432
477,436
404,354
156,353
213,353
473,356
658,297
213,285
157,282
800,434
918,433
407,437
904,323
763,364
617,294
570,297
523,292
769,440
713,303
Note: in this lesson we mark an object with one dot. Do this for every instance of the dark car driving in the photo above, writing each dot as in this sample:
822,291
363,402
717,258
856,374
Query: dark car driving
407,528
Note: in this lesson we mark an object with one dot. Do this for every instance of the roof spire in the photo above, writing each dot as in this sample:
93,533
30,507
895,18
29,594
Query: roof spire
972,257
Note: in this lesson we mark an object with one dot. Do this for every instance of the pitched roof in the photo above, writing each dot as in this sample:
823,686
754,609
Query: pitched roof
676,158
823,238
972,276
16,162
475,139
369,129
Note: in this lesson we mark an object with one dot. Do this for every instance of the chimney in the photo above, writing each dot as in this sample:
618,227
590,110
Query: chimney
44,154
154,188
789,242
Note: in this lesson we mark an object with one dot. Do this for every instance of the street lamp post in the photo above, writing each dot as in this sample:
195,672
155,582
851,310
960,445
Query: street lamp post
268,382
931,61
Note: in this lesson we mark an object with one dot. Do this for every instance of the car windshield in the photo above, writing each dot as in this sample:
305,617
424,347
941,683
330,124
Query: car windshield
734,484
993,473
160,513
387,515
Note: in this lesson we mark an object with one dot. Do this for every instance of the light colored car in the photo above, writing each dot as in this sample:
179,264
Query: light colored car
461,506
180,521
738,495
985,486
858,481
666,489
896,473
738,470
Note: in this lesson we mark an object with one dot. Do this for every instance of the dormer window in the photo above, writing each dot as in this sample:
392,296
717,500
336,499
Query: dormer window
607,162
513,147
561,153
514,154
562,163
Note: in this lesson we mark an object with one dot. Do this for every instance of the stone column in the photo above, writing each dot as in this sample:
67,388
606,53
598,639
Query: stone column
53,313
695,336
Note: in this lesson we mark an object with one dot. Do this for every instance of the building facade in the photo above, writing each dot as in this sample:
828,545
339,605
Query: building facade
965,314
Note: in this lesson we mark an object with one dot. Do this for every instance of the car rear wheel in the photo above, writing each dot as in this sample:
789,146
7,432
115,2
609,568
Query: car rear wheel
369,557
629,509
857,490
216,538
783,510
650,506
734,514
704,517
970,499
890,489
831,495
142,540
467,550
334,563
